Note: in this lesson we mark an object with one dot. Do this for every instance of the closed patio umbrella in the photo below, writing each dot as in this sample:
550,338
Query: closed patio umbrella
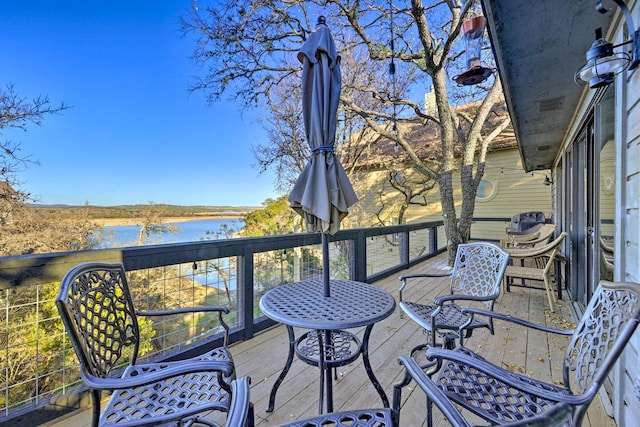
322,194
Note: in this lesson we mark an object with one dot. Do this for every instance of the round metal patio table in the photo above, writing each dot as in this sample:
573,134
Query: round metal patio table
351,305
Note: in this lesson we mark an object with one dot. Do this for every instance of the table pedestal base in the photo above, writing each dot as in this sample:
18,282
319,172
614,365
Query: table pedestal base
328,360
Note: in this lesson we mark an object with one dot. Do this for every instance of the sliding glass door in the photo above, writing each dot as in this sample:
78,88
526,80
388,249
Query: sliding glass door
604,188
588,201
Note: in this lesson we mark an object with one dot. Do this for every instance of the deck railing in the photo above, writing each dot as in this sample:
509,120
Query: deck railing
39,371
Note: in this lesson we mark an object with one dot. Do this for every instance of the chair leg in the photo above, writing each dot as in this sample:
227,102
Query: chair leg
549,293
397,396
251,418
433,336
429,413
449,341
95,417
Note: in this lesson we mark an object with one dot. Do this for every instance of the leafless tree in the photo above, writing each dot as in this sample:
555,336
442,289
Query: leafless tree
39,230
286,145
248,50
150,222
287,150
18,112
410,191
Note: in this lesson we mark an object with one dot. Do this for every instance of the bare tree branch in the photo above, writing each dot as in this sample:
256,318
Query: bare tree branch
18,112
248,50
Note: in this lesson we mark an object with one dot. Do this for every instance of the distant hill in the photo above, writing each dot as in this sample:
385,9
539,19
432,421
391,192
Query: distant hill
164,210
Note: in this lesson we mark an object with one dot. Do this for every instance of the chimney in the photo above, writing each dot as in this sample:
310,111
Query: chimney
430,103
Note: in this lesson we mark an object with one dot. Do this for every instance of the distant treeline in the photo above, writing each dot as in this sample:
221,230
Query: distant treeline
136,211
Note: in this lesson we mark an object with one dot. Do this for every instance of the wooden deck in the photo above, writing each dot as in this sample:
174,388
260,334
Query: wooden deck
262,358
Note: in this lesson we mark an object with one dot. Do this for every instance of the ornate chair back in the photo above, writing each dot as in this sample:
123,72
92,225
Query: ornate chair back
478,270
605,328
474,281
96,308
98,312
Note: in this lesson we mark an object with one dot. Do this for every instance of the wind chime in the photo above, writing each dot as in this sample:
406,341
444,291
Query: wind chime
392,73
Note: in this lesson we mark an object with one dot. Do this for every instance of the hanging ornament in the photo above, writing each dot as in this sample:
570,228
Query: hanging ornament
392,73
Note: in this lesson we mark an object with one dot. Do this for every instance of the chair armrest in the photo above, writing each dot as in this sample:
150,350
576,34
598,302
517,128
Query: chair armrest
240,403
173,369
210,308
404,278
548,249
478,311
524,238
439,300
433,393
530,252
198,309
503,375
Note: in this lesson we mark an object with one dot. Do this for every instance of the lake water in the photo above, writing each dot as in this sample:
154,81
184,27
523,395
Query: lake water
188,231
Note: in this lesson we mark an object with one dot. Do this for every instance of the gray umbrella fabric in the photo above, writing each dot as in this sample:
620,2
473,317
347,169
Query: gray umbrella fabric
322,194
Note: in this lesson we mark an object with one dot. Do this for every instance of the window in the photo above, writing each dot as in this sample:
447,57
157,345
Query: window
487,190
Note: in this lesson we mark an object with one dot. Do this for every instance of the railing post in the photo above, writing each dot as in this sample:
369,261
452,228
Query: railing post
245,290
359,270
433,240
404,247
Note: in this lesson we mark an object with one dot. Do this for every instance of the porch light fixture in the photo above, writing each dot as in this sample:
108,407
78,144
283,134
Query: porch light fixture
603,64
473,33
547,181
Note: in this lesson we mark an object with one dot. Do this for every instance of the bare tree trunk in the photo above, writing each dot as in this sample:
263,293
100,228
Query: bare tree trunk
446,175
458,229
449,214
469,189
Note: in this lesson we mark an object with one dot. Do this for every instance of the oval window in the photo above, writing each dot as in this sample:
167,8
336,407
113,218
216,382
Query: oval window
486,190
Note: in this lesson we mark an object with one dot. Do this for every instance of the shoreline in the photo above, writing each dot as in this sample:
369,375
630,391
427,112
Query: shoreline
115,222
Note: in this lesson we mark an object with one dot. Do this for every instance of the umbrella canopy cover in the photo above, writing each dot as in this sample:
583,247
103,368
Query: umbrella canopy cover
322,194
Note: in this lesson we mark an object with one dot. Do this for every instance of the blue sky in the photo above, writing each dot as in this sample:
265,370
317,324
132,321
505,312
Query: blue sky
134,134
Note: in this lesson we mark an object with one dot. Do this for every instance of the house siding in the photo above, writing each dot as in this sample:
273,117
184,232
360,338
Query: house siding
628,407
372,190
516,191
632,213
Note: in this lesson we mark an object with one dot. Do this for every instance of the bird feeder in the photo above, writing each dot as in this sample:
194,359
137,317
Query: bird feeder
473,33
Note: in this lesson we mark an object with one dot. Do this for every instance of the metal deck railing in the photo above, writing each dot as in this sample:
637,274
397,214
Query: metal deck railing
38,368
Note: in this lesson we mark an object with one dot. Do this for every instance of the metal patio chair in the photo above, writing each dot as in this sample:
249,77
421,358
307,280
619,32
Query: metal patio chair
498,395
102,323
476,278
240,408
556,416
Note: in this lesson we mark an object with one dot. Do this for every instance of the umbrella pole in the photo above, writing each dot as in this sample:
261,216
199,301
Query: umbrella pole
325,264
